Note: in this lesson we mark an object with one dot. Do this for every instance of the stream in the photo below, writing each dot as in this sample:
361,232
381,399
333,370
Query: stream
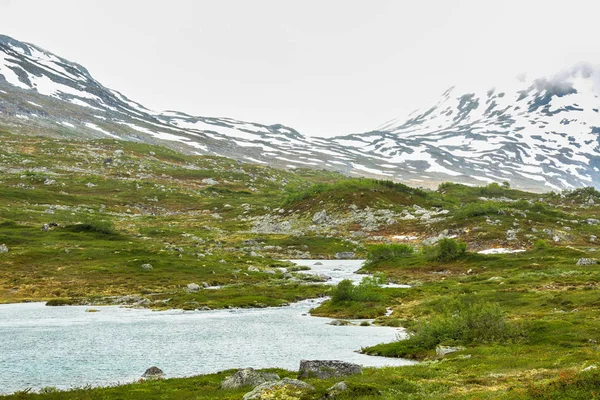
67,347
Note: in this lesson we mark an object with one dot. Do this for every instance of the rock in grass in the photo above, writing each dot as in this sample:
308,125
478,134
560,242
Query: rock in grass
193,287
146,267
325,369
248,377
586,261
336,390
3,248
209,181
320,217
285,388
153,373
444,350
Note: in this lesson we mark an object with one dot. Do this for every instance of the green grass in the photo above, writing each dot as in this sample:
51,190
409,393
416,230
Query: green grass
528,320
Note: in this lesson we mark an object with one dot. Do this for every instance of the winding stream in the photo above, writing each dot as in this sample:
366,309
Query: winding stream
66,347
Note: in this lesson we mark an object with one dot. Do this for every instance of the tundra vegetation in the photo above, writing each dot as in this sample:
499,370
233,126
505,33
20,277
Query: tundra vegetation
113,222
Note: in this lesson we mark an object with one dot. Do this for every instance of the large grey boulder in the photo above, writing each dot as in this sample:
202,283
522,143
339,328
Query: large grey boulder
146,267
248,377
264,390
3,248
325,369
153,373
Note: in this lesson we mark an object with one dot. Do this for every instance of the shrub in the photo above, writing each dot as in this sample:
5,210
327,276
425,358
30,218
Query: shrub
103,227
366,291
386,252
461,323
540,244
477,209
445,250
343,291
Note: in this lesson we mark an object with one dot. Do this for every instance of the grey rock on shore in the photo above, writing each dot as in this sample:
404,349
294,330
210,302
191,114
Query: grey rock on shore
325,369
153,373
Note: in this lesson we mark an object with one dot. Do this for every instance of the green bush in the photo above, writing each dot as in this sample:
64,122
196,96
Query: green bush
343,291
387,252
366,291
103,227
461,323
540,244
446,250
478,209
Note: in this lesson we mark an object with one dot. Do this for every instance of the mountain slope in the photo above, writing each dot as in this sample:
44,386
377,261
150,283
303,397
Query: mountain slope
544,130
540,135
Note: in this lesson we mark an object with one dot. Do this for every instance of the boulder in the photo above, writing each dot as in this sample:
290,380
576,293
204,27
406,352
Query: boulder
592,221
45,228
325,369
248,377
335,391
3,248
209,181
286,386
340,322
344,255
153,373
320,217
146,267
443,350
193,287
586,261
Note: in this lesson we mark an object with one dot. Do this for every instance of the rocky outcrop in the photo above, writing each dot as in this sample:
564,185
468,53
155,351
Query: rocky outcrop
286,386
325,369
248,377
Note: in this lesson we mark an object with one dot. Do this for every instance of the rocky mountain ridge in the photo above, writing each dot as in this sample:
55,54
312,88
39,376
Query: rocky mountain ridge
540,135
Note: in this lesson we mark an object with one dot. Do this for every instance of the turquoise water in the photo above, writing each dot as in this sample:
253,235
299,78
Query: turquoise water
67,347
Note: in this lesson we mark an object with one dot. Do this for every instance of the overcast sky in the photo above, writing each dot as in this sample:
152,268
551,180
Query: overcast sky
321,67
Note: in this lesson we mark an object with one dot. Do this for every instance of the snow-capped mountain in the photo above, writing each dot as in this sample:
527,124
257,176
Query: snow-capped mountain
540,134
544,130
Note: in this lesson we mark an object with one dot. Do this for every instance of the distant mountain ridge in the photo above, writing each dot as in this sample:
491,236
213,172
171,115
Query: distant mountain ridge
539,134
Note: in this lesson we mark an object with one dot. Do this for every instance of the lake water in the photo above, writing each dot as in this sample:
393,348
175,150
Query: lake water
68,347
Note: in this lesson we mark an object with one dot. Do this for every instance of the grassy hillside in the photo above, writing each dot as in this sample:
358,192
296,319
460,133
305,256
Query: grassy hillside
110,222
